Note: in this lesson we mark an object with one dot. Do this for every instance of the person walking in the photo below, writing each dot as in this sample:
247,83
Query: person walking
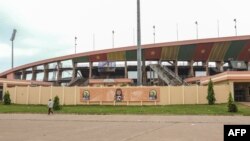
50,106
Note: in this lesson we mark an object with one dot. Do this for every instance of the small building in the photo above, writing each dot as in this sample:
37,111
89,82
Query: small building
239,82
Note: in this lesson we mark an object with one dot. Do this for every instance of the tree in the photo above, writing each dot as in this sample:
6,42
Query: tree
6,98
210,95
56,105
232,107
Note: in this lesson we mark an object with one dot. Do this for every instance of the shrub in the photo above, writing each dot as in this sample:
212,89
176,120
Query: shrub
56,105
6,98
232,107
210,94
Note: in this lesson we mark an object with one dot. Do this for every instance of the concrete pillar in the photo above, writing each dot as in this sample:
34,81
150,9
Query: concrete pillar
144,73
90,69
74,71
24,74
219,66
191,71
46,72
207,68
176,67
34,73
59,72
126,70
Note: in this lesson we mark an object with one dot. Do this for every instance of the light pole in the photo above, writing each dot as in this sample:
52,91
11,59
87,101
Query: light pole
75,44
196,23
113,38
139,71
154,33
12,48
235,26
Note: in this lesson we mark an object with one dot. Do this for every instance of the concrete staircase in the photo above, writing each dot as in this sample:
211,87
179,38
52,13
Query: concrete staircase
78,81
167,75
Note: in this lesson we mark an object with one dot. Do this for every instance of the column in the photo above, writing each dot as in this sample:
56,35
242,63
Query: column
176,67
207,68
191,71
24,74
74,71
46,72
34,73
144,73
59,72
126,70
90,69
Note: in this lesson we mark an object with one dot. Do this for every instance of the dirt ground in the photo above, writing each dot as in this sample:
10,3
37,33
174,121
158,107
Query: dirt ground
39,127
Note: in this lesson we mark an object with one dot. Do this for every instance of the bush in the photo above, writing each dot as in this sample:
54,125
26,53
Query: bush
232,107
6,98
210,94
56,105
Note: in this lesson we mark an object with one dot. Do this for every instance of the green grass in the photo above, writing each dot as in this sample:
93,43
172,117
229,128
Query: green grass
218,109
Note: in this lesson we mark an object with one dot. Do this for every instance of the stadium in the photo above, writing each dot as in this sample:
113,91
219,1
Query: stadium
225,60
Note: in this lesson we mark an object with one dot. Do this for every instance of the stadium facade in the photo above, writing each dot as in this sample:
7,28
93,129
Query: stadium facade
170,63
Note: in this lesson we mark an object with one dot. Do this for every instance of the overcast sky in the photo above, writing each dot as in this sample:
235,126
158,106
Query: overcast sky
46,28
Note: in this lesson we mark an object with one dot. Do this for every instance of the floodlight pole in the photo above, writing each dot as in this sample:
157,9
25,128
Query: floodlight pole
196,29
235,26
154,33
177,31
139,71
113,38
75,44
12,47
218,28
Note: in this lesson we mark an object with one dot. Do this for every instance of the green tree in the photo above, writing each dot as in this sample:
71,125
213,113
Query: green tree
232,107
56,105
6,98
210,94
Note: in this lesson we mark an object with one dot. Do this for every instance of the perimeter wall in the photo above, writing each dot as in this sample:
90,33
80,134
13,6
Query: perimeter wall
154,95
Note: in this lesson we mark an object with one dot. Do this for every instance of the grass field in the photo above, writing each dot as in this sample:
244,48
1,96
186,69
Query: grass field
218,109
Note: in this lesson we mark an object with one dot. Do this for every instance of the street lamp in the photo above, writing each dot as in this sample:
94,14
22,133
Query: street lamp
196,23
235,26
12,44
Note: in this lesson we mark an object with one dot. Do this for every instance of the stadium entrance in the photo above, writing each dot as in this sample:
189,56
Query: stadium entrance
242,92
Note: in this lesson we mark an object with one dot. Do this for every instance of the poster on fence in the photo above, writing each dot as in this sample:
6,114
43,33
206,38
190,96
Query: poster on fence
120,94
